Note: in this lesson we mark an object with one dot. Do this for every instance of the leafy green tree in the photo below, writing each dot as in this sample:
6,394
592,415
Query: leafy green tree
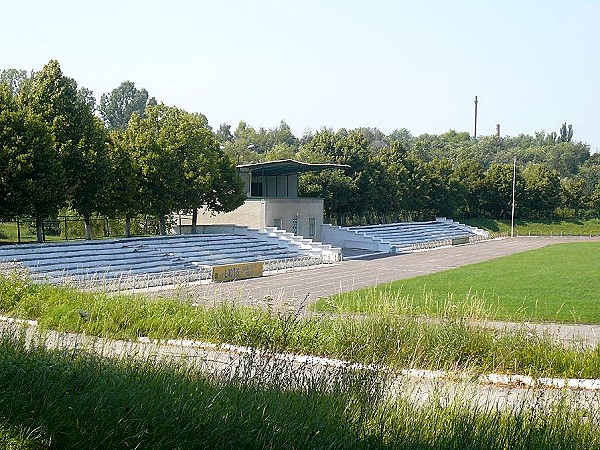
223,134
14,80
443,193
79,136
152,142
281,134
402,136
243,148
573,194
32,179
542,191
594,201
280,151
211,178
117,107
393,194
497,202
470,176
566,133
182,167
125,189
449,145
335,187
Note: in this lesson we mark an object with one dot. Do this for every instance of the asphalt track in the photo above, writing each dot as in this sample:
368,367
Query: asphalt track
290,289
295,290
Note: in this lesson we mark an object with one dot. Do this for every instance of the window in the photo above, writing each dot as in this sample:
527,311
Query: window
295,228
312,226
278,223
256,186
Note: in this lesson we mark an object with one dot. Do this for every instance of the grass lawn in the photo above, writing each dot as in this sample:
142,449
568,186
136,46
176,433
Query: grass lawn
539,228
559,283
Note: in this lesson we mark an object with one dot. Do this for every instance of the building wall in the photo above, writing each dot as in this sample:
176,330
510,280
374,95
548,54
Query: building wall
251,213
263,212
301,209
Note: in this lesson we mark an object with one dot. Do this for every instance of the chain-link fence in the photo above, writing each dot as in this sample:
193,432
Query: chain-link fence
66,228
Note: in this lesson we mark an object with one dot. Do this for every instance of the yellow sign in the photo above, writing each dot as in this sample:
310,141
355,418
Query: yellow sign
460,240
230,272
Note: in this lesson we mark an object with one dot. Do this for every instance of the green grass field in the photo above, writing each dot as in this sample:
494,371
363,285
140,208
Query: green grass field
559,283
539,227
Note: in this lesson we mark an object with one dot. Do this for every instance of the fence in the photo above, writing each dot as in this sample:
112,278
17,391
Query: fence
542,233
129,281
65,228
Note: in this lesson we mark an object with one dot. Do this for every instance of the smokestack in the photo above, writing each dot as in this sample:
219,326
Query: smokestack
475,130
497,130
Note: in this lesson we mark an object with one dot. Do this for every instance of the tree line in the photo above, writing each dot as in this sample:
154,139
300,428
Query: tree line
138,157
399,176
128,154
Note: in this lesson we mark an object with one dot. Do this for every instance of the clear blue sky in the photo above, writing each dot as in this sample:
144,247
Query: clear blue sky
335,63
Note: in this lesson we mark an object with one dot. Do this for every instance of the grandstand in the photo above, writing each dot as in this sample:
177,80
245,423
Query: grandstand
150,261
401,237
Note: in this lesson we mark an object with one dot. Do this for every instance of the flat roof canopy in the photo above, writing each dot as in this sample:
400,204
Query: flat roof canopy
287,167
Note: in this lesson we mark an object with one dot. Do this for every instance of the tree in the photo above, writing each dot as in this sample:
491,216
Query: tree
14,80
335,187
211,178
280,151
125,189
470,176
443,193
223,134
117,107
244,146
392,188
542,191
566,133
497,201
32,179
79,137
181,164
573,193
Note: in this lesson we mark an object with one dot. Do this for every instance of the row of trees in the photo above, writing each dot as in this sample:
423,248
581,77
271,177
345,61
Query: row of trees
128,155
55,152
403,176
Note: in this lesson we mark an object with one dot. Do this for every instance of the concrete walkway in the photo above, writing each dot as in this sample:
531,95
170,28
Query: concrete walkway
295,290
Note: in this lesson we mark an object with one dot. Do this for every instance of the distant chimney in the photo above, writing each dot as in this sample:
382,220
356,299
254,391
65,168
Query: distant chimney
497,130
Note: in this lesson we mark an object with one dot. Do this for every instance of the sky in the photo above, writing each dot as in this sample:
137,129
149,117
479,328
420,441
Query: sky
331,63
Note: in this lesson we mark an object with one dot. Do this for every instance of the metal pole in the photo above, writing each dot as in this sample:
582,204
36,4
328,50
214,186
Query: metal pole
512,221
18,230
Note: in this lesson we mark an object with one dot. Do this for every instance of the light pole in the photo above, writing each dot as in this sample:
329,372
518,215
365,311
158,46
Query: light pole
512,219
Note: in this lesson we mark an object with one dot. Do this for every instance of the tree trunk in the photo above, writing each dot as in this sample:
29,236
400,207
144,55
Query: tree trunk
88,227
127,225
162,225
39,229
194,220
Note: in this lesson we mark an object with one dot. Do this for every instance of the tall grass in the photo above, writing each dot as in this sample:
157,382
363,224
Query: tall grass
393,334
73,400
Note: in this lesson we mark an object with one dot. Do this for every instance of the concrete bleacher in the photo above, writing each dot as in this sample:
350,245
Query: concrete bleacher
191,256
402,236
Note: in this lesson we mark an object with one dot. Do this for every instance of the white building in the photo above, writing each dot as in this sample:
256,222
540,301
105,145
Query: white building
272,191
